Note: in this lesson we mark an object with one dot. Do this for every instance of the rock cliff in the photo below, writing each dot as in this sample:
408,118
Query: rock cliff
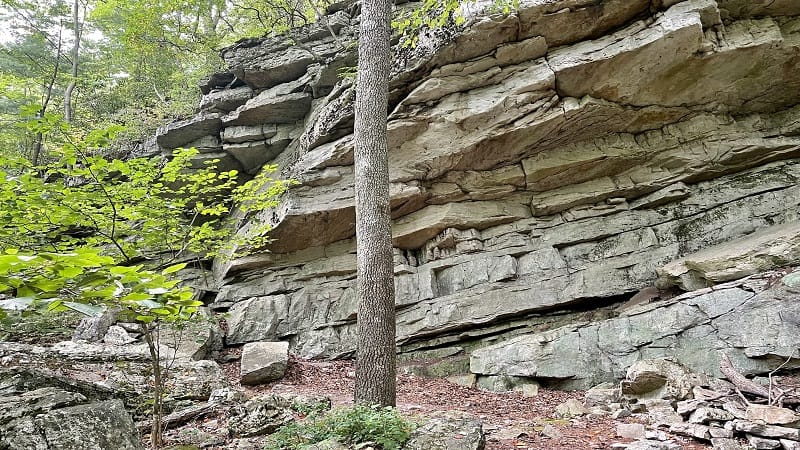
546,166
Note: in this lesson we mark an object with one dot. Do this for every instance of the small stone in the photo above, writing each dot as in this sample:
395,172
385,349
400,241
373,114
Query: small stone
717,432
598,411
327,444
727,444
654,445
706,415
685,407
792,280
737,410
656,435
772,415
550,431
760,443
620,414
631,430
602,394
772,431
661,412
117,335
789,444
571,408
699,431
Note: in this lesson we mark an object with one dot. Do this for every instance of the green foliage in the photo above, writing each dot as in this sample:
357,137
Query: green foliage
88,282
134,209
139,62
73,231
313,408
348,73
43,327
433,14
350,426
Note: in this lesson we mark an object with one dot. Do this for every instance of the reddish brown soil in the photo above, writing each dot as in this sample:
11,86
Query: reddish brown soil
511,421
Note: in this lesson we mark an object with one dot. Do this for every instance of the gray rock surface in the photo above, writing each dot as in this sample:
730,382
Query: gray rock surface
52,418
543,164
263,362
757,252
260,415
451,430
746,317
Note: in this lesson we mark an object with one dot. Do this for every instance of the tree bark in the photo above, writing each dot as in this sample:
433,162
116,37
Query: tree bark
39,141
76,30
375,354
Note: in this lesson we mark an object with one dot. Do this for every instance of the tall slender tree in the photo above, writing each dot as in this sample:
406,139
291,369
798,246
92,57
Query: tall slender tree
375,355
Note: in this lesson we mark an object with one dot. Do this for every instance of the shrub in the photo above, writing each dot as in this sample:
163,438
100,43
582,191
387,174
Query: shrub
355,425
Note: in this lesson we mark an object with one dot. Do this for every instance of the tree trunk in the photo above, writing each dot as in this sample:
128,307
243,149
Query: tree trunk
156,430
76,29
375,355
39,141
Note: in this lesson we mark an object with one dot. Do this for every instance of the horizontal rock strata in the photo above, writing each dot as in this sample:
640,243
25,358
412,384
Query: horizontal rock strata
542,163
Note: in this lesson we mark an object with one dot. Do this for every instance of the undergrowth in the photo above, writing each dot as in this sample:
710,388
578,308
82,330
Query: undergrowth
384,427
38,328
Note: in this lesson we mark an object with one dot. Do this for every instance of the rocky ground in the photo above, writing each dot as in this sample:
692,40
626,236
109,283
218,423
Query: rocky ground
510,420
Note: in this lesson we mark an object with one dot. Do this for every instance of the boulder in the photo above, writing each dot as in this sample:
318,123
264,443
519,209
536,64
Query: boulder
504,383
570,409
94,328
263,362
54,419
116,335
660,379
260,415
195,380
603,394
451,430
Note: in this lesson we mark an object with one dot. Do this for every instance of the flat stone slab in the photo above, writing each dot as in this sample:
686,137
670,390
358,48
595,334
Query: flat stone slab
761,251
263,362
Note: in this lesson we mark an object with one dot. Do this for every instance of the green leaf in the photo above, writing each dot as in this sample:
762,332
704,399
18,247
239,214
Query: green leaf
149,304
85,309
70,272
136,296
172,269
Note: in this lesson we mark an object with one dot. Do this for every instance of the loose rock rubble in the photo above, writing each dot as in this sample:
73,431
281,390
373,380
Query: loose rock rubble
669,399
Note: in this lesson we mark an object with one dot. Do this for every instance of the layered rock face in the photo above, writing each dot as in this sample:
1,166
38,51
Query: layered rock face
544,165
